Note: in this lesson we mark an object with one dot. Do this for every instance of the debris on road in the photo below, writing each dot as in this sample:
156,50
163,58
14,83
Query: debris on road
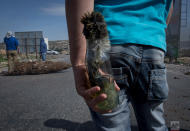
187,73
175,77
38,67
184,60
183,69
2,52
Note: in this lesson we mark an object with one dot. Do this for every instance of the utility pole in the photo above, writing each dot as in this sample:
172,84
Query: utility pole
26,47
36,47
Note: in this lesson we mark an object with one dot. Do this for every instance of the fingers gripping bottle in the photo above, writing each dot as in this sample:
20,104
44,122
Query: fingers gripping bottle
98,59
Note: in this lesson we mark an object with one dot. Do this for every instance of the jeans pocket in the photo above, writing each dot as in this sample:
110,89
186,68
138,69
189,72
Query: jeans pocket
158,87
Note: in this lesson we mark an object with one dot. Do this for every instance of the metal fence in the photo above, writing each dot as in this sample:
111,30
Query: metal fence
29,42
178,32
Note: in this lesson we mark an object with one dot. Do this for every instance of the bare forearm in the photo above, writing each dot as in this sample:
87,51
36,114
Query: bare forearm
75,9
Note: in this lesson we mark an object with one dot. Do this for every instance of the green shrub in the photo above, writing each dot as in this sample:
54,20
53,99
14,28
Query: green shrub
3,58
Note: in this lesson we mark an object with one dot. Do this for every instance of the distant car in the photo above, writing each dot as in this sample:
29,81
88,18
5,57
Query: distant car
52,52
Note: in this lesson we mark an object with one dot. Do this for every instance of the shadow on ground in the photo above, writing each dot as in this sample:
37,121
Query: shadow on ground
181,129
69,125
73,126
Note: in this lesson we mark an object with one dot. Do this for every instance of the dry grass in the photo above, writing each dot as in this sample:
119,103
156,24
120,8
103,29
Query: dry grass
38,67
2,52
184,60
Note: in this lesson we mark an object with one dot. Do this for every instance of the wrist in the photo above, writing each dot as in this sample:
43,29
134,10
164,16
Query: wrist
81,76
79,70
79,66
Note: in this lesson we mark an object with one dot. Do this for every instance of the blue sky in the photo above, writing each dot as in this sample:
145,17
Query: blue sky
34,15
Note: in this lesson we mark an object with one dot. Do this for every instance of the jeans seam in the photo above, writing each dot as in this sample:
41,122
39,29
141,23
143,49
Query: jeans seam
138,60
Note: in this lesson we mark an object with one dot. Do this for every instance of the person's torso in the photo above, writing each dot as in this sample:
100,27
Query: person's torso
43,47
10,43
135,21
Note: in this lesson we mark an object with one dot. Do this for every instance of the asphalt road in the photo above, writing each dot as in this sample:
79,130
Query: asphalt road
49,102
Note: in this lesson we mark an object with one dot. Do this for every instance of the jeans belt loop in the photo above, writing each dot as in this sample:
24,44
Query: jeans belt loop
120,73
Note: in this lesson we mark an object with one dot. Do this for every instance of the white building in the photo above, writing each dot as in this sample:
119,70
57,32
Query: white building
46,41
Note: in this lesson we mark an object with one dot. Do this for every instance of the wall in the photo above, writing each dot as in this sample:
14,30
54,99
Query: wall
185,29
173,31
178,32
47,43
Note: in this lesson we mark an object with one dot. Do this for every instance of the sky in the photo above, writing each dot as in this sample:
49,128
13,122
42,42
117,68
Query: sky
34,15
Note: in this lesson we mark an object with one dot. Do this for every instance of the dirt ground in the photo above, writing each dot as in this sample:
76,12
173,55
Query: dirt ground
177,108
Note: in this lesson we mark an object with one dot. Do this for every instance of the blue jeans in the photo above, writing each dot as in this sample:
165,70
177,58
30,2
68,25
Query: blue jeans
141,75
43,56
